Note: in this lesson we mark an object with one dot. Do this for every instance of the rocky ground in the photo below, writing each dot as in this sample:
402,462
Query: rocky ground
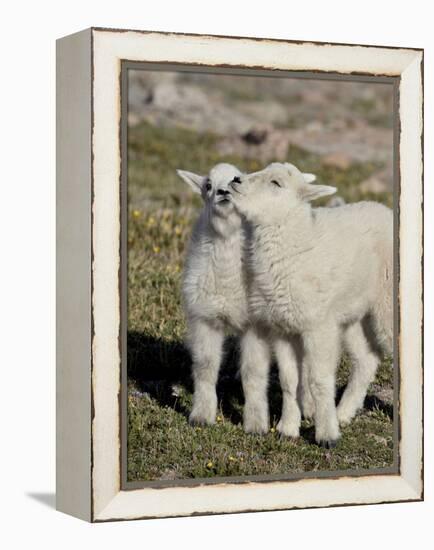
262,118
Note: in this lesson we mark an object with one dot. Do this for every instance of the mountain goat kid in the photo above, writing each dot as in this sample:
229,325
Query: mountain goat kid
324,274
213,289
215,303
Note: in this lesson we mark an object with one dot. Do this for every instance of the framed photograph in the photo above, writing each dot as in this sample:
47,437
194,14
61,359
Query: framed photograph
239,274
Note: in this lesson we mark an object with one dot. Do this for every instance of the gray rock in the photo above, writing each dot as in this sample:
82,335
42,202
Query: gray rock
384,394
262,143
379,182
343,122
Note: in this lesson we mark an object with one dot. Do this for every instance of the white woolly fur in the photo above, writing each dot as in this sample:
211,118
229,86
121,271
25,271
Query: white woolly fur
323,274
215,304
213,289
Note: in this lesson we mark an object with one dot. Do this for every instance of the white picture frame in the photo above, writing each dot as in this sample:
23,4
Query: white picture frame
89,378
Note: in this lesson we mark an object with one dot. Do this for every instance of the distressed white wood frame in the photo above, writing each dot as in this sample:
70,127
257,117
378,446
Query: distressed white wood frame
88,464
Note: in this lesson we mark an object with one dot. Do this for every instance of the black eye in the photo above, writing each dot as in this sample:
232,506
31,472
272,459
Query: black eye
276,183
236,179
208,186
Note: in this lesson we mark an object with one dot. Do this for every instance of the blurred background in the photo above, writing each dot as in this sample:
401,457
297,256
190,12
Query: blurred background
257,120
340,131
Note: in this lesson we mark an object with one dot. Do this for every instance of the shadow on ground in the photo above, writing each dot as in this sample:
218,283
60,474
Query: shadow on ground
47,499
157,367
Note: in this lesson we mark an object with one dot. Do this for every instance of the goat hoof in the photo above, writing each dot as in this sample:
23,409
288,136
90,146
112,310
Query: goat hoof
288,429
256,428
196,420
308,409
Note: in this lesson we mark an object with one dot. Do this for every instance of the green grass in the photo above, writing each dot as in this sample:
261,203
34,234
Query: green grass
161,444
166,447
368,108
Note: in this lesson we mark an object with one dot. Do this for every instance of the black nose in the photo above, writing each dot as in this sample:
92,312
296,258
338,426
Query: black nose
236,179
223,192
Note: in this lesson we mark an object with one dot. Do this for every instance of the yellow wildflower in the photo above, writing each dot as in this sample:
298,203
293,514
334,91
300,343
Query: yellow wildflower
151,221
156,249
137,213
177,268
232,459
210,464
178,230
272,430
219,419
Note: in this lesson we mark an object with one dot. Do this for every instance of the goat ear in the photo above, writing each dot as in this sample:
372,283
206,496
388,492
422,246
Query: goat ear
309,178
194,180
311,192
